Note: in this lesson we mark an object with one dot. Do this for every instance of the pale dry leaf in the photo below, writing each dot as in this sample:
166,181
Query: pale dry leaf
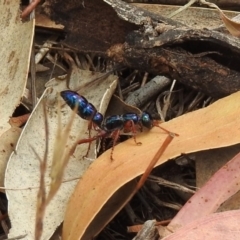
195,17
15,44
213,127
23,167
8,142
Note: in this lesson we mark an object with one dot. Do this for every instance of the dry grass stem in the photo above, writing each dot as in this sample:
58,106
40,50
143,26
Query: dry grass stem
41,197
60,154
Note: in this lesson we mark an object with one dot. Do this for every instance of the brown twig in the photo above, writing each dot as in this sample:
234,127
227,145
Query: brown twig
32,5
150,167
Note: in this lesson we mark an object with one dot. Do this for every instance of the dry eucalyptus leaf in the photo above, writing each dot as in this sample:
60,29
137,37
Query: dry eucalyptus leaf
224,225
7,144
19,121
23,167
213,127
222,185
232,26
208,163
15,54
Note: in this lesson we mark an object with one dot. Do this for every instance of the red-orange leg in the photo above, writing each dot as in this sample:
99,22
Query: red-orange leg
130,125
115,136
90,125
91,139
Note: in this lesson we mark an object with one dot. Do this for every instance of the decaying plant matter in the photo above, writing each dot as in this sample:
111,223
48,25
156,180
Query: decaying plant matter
203,59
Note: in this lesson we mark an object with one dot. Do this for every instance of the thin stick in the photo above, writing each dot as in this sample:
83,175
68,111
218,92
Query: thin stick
32,5
150,167
167,131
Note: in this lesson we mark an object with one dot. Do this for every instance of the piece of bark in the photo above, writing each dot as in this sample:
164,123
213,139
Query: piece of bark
94,25
157,30
216,75
201,73
195,17
91,26
139,16
220,3
153,43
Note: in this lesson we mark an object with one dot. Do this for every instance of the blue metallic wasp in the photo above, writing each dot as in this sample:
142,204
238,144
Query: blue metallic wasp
85,109
111,125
